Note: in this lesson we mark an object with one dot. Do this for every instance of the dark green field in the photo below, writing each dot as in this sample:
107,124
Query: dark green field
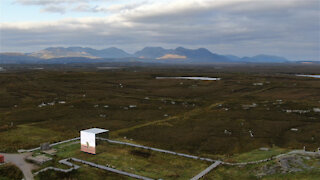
208,118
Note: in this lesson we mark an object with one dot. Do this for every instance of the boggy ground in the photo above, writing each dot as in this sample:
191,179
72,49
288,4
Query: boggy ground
245,110
200,117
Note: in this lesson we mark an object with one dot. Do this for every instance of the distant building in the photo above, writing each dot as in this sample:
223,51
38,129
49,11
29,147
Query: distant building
88,139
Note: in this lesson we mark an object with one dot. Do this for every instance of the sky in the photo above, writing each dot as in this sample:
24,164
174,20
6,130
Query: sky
288,28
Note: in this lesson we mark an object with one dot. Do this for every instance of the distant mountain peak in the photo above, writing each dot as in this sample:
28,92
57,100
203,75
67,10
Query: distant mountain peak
152,52
76,51
180,48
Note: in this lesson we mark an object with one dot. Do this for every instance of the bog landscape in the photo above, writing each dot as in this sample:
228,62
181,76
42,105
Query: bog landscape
159,90
248,114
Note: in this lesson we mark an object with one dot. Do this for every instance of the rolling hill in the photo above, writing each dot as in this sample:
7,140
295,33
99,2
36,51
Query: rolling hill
57,52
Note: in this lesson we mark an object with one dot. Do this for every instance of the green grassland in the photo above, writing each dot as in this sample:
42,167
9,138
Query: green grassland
181,115
138,161
83,173
255,155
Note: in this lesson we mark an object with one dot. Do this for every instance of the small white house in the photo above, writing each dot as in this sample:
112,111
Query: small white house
88,139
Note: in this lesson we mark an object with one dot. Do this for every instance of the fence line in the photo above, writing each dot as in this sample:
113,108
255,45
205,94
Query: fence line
110,169
51,145
128,144
62,142
63,161
74,167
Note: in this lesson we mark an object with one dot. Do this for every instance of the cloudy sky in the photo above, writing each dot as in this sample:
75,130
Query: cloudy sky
289,28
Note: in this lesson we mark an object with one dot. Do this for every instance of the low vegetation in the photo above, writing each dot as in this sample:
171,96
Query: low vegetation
10,172
249,108
266,171
138,161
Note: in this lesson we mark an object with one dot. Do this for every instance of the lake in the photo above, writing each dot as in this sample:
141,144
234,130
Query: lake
313,76
108,68
192,78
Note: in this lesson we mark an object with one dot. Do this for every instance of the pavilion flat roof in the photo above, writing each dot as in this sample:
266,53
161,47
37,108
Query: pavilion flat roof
95,130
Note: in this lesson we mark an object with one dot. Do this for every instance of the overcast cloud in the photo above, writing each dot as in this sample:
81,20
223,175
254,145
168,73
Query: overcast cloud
289,28
48,2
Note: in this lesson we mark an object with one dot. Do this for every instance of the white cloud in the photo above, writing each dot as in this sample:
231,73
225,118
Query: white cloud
47,2
54,9
243,26
85,7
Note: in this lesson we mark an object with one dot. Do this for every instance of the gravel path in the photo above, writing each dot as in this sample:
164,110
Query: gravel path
19,161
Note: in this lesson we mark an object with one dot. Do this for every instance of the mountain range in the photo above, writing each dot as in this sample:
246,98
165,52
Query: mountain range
58,52
147,54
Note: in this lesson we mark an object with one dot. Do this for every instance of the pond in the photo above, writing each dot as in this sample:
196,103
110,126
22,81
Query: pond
192,78
108,68
313,76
